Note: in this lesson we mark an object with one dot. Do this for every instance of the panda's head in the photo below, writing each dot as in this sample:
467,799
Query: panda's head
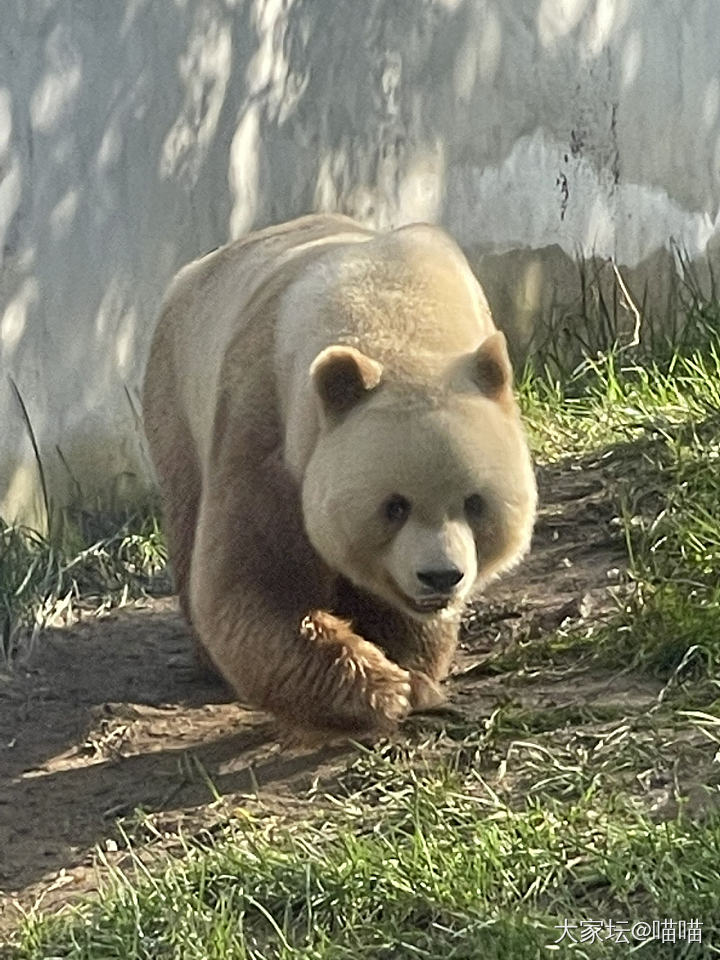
416,496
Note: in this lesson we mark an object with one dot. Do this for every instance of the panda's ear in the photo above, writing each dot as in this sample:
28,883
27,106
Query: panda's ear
342,376
491,367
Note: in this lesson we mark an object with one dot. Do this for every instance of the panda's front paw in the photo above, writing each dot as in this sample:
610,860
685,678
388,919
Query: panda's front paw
373,694
363,692
388,694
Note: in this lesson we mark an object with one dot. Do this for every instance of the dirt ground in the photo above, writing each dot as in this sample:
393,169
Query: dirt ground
110,716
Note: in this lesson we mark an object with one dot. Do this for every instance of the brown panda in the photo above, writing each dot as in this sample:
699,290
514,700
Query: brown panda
330,413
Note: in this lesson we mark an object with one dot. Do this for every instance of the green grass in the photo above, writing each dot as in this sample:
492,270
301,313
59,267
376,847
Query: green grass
477,843
92,565
668,492
673,617
612,399
652,414
428,864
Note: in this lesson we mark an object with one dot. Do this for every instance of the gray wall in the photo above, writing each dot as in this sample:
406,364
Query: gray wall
136,134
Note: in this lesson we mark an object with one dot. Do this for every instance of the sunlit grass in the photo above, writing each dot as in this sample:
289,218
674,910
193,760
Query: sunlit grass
654,416
611,399
437,866
672,618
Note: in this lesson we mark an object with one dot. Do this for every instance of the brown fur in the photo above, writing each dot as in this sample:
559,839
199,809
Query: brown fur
287,631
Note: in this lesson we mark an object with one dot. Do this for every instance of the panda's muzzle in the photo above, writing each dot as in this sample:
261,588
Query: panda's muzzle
438,589
440,582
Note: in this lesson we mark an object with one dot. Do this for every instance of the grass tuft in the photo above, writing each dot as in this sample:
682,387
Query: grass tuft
48,580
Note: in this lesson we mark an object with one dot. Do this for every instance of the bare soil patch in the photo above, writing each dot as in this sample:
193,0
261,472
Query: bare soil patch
111,716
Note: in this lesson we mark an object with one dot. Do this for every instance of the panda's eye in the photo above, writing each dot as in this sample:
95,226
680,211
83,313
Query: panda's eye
396,508
475,506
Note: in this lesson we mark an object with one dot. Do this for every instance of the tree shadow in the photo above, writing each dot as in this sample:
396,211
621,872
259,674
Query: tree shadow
141,138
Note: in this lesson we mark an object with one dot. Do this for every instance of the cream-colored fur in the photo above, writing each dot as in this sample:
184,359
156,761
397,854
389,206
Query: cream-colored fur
331,418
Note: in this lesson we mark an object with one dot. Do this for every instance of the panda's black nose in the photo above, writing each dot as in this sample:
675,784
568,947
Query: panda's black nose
440,581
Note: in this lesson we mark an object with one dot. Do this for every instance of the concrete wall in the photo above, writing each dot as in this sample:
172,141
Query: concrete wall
136,134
